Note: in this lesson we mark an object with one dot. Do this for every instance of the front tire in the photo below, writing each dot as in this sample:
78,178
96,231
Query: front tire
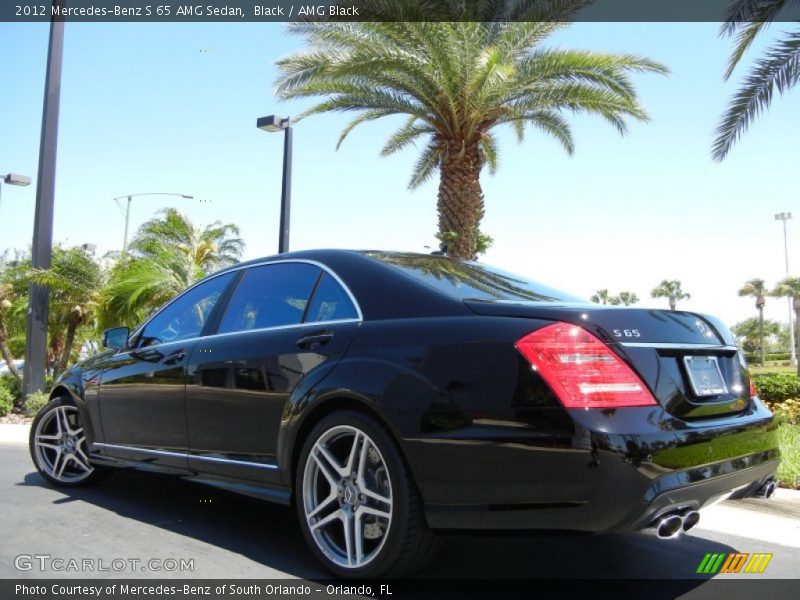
358,506
58,447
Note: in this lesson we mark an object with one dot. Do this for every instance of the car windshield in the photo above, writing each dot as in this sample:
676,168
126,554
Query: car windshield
469,280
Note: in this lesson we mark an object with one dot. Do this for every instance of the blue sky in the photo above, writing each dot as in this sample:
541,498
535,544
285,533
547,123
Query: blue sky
172,107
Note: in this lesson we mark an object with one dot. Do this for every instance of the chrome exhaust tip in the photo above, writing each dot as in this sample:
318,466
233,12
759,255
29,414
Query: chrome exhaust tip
669,526
690,519
766,490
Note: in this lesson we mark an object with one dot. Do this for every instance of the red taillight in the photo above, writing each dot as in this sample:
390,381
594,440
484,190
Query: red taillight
753,390
581,370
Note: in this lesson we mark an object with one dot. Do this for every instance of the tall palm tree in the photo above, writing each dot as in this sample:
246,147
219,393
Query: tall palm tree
601,297
757,289
456,82
790,288
625,299
777,70
670,289
168,254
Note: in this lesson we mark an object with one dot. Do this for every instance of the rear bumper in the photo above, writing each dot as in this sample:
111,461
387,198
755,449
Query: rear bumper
614,472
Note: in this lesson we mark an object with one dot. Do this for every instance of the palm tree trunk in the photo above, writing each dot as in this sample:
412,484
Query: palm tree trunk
761,332
69,342
5,351
673,303
796,306
460,202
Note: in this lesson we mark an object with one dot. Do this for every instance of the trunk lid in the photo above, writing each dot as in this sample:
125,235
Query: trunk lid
681,356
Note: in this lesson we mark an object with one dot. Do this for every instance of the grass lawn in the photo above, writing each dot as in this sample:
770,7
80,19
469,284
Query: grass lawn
789,470
772,368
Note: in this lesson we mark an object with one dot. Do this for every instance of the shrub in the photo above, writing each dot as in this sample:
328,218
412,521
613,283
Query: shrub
13,385
6,402
787,411
754,358
777,387
34,402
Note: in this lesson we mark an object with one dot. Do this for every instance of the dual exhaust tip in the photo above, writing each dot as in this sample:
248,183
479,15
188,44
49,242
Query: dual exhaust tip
766,490
671,525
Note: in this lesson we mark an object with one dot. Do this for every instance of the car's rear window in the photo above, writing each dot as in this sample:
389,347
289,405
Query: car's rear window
471,280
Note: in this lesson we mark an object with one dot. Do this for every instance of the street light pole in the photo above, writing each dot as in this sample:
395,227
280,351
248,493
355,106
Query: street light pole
127,210
36,329
127,224
784,216
272,124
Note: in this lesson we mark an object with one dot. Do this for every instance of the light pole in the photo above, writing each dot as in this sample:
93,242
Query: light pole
785,216
42,246
272,124
126,210
15,179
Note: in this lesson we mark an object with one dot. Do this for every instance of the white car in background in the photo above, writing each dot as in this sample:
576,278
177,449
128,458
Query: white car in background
4,370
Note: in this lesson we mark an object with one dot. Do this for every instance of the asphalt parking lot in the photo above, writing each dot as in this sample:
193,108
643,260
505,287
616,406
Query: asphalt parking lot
140,516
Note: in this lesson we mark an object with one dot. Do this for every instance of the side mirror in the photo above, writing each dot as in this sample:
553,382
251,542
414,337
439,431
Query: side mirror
116,337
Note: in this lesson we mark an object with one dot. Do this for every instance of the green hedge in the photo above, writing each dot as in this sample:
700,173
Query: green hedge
777,387
6,402
754,358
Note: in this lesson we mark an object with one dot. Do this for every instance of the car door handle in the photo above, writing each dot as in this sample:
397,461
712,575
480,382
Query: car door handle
315,340
175,357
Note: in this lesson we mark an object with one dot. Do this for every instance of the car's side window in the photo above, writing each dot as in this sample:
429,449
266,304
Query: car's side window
186,316
331,302
270,296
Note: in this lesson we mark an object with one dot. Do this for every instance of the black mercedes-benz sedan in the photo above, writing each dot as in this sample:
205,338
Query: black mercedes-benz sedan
388,396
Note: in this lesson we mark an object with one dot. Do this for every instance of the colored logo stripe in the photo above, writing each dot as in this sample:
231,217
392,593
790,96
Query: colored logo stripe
734,562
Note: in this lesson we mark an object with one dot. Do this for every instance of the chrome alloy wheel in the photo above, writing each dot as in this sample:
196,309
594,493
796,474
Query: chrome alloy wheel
347,496
60,445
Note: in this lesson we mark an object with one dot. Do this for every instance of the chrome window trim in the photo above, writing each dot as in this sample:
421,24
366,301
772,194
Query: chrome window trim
242,463
669,346
279,327
315,263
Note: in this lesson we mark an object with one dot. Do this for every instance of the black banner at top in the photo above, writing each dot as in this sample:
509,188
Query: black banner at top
240,11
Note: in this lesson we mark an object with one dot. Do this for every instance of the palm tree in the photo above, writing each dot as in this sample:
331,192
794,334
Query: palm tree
790,288
6,303
601,297
456,82
778,69
756,288
13,307
75,280
671,289
624,298
168,254
211,248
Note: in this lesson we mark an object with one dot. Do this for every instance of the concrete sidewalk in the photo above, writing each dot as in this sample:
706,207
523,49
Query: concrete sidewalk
14,434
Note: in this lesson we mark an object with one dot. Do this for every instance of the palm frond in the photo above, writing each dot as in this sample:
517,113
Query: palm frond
778,69
425,166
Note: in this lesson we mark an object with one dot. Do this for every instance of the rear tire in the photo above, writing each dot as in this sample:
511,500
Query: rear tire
358,506
58,447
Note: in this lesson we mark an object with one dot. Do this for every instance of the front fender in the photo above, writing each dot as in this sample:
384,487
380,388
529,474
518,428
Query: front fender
71,385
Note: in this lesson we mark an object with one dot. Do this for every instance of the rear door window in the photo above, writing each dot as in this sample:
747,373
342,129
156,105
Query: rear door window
270,296
331,302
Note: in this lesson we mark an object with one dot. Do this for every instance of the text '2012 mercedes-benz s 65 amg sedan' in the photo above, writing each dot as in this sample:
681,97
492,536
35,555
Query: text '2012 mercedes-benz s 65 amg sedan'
390,395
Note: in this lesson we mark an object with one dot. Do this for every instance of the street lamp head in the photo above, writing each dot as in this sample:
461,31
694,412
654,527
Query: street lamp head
784,216
187,196
16,179
273,123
